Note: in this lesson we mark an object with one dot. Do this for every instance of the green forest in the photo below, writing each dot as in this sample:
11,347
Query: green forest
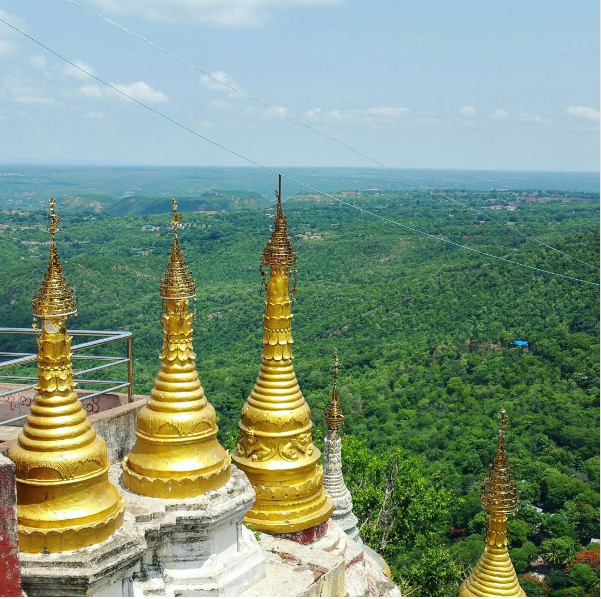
424,331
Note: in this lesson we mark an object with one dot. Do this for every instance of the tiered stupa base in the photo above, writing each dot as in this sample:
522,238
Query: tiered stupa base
176,488
196,546
336,488
102,570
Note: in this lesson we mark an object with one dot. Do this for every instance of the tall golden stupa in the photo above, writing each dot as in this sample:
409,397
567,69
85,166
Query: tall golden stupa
275,447
494,575
176,454
64,498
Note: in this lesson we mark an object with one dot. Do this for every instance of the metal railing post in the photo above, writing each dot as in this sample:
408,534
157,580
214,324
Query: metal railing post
130,370
13,359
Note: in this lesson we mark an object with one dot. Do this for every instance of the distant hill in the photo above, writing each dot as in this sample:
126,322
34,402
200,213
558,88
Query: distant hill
84,188
211,202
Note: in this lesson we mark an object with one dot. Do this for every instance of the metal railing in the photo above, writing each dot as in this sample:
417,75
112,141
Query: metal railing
104,337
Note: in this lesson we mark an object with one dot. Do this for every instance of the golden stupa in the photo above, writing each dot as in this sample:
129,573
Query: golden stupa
176,454
275,447
494,575
64,498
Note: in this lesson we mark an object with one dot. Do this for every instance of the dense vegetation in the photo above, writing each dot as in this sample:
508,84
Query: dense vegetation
424,331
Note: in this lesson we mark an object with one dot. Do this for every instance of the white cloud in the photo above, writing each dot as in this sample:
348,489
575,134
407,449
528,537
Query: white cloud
138,90
218,104
22,90
388,112
376,114
92,90
37,61
222,80
94,114
277,112
72,71
583,112
8,47
468,111
500,114
142,92
206,126
530,118
39,100
273,112
225,13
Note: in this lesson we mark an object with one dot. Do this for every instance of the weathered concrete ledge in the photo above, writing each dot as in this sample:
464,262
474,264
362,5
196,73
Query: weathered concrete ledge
295,570
100,570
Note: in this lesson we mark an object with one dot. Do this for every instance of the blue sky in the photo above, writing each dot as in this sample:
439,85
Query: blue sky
413,83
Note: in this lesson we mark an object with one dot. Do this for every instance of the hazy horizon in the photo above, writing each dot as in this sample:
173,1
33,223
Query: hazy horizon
429,85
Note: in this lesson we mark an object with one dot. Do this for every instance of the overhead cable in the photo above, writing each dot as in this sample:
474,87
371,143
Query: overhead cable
302,123
289,178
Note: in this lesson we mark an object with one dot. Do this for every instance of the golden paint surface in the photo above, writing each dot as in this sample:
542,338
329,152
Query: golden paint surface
64,498
176,454
275,446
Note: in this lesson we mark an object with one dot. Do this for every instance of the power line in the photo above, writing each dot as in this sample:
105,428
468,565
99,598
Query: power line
293,180
248,96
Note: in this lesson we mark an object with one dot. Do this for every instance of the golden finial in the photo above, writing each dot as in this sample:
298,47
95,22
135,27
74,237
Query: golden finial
499,494
333,415
55,297
176,216
177,281
278,252
494,575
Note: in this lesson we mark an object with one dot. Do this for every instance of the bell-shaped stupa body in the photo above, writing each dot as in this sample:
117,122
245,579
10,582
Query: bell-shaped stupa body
64,498
176,454
275,447
333,481
494,575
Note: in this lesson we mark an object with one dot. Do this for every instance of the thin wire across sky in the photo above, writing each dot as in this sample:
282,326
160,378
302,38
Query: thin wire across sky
309,127
275,172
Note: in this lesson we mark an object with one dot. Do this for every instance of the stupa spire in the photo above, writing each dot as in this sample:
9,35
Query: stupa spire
55,297
333,480
333,415
176,454
494,575
64,498
275,446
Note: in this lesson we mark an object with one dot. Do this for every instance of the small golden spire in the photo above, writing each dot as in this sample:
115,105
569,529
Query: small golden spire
494,575
55,297
499,494
64,498
333,415
177,281
275,446
176,454
278,251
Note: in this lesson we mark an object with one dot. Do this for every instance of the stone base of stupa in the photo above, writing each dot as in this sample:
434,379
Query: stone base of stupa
347,521
198,546
332,566
365,574
102,570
